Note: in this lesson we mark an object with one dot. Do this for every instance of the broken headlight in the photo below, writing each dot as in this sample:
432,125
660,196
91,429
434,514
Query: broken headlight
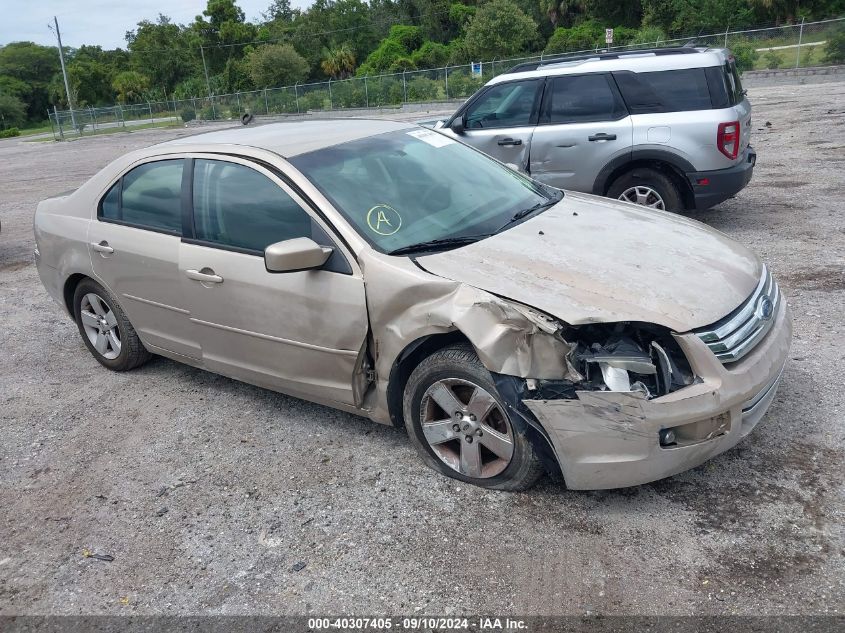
631,357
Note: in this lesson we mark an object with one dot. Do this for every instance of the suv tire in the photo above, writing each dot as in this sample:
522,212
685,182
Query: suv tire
493,451
105,330
647,187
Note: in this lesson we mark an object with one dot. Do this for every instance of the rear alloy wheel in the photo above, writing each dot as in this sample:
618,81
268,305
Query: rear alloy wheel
105,330
648,188
460,426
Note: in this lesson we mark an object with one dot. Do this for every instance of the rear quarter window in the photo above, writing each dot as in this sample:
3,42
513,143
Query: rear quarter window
665,91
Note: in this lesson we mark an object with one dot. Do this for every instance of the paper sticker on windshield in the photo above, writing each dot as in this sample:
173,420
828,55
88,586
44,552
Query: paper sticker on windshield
384,219
431,137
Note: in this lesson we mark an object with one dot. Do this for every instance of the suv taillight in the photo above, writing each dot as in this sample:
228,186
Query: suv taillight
727,139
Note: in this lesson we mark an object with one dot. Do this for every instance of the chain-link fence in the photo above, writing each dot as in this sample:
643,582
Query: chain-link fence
788,46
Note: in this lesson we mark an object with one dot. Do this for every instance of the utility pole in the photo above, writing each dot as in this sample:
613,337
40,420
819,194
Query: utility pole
207,83
64,73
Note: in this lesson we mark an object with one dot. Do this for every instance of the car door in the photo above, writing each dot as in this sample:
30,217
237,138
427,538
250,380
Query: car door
583,125
134,248
298,332
500,121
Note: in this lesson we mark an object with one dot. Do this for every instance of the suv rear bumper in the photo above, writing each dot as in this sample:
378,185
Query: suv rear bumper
721,183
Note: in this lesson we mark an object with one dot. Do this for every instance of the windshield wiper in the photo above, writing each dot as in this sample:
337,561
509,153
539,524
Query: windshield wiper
522,213
443,242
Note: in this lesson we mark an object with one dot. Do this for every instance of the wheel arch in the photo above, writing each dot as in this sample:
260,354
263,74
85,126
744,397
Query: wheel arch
675,167
425,346
405,363
70,288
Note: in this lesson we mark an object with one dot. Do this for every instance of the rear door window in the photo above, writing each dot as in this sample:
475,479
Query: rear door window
665,91
149,197
505,105
582,98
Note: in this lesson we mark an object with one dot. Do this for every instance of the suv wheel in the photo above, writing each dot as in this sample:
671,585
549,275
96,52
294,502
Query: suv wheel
647,187
105,330
460,427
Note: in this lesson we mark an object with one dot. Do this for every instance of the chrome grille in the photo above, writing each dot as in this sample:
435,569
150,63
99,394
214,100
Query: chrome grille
736,335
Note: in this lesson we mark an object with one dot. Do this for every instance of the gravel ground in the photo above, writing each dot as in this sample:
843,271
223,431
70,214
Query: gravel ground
215,496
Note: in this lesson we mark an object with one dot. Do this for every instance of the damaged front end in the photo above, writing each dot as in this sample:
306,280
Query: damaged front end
635,360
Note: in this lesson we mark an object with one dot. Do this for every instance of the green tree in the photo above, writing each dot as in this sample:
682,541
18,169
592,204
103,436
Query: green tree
338,63
130,86
12,111
26,70
431,55
275,65
162,51
500,29
222,32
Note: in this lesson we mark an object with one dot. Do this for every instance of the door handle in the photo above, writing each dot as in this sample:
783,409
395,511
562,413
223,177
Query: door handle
102,247
602,136
209,278
510,141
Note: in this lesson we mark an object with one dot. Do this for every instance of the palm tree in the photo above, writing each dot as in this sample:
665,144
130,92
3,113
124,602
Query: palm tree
338,63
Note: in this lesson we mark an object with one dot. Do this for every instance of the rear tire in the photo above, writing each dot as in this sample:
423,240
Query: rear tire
105,329
649,188
452,390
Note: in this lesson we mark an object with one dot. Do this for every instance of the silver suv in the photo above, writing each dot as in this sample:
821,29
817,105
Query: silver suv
667,128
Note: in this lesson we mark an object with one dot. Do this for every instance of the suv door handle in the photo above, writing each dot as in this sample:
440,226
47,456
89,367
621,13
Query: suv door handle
102,247
510,141
602,136
209,278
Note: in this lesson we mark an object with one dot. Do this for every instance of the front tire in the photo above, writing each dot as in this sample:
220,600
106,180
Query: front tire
105,330
649,188
459,424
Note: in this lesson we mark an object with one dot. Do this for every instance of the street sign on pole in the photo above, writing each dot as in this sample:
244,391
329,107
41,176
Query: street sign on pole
608,36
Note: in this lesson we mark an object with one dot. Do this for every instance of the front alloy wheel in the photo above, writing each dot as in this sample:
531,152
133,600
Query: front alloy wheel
465,428
460,425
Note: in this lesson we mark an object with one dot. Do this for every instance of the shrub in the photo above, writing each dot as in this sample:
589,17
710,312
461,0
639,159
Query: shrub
744,54
835,48
772,60
188,114
9,133
210,114
425,89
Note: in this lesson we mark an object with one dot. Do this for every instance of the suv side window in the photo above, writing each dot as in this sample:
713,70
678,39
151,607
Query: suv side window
505,105
237,207
148,197
583,98
665,90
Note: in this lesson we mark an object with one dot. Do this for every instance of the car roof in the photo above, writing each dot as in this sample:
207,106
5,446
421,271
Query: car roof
294,137
648,60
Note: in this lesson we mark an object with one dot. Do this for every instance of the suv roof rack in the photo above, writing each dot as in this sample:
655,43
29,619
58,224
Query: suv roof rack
666,50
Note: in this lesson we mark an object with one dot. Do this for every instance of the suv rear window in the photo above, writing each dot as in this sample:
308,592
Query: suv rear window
582,98
665,91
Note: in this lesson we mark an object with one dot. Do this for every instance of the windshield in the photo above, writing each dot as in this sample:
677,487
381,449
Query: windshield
416,186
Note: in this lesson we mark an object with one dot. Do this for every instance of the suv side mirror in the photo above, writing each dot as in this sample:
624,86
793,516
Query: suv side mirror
299,253
457,125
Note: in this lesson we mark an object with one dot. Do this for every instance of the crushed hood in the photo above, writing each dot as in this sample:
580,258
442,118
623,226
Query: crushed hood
593,260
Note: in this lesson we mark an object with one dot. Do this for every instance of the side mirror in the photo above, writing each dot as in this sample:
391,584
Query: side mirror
300,253
457,125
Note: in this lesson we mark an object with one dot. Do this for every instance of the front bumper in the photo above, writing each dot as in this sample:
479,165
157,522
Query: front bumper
606,439
722,183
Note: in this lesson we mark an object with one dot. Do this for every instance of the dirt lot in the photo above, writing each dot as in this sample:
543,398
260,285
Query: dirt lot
211,495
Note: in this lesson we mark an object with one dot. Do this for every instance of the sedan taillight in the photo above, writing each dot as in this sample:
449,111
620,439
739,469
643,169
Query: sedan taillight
727,139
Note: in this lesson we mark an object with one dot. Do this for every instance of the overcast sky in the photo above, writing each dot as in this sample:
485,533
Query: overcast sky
100,22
